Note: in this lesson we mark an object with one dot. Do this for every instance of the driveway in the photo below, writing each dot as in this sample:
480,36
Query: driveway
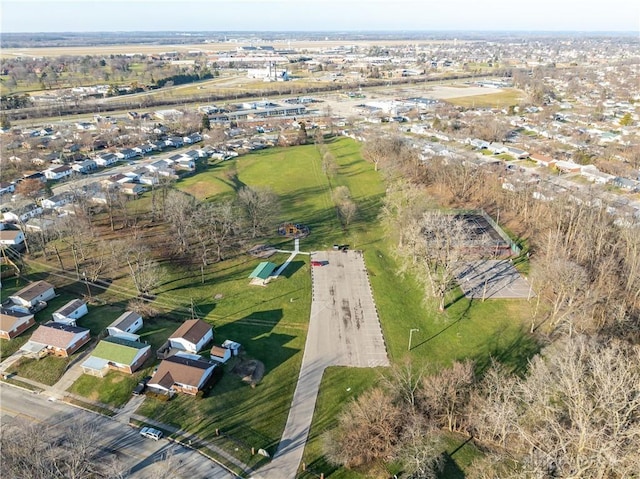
344,330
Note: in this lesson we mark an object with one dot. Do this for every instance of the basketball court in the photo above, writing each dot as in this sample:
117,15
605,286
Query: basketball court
492,279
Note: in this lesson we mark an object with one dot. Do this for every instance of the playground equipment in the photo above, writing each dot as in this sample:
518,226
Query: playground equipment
293,230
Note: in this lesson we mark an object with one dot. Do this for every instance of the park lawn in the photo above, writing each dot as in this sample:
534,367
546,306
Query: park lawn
500,99
113,389
209,183
47,370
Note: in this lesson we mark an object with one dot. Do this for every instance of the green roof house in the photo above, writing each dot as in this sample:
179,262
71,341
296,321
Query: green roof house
262,273
116,353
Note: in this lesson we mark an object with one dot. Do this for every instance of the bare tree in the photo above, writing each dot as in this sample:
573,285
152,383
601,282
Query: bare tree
180,209
444,395
261,208
368,430
437,243
68,451
576,414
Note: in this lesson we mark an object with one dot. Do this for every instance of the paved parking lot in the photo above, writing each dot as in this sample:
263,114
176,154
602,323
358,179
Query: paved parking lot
343,303
492,279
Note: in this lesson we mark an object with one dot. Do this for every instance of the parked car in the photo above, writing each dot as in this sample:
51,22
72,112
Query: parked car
140,387
151,433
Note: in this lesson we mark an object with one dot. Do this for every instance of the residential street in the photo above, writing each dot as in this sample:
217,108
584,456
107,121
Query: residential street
141,455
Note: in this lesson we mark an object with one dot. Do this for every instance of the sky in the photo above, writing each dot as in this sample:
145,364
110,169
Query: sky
318,15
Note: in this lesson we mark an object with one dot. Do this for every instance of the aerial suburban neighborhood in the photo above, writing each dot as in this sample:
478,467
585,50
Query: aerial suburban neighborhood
293,254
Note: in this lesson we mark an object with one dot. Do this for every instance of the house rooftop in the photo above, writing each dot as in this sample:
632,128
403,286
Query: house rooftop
125,320
193,330
182,370
118,350
32,291
8,318
58,335
70,307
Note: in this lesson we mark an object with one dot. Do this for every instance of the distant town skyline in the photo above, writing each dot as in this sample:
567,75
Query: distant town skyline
324,15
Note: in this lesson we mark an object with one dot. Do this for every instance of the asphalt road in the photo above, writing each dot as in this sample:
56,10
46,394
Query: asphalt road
144,457
344,330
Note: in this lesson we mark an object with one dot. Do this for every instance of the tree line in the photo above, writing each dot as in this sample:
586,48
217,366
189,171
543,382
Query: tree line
575,411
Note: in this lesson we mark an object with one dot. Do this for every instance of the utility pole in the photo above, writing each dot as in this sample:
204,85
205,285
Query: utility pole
410,335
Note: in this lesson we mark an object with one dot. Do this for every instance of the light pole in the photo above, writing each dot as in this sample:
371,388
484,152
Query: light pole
410,335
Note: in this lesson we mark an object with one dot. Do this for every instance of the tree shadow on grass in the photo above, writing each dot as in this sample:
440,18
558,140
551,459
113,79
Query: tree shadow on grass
513,354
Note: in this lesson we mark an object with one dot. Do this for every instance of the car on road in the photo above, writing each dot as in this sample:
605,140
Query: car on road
140,387
151,433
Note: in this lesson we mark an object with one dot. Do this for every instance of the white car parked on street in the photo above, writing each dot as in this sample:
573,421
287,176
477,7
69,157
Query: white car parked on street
151,433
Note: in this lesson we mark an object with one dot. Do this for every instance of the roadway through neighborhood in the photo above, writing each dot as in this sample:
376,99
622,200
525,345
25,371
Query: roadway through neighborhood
145,458
344,330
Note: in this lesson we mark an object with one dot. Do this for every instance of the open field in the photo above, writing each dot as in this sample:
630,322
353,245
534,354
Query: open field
499,99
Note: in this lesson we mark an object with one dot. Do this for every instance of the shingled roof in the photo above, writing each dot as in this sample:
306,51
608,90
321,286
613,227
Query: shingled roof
193,330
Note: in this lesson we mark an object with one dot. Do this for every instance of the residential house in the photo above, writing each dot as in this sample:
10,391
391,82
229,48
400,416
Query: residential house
132,189
32,294
106,159
191,336
14,323
85,126
84,166
56,201
134,176
516,152
23,213
118,354
479,144
143,149
497,148
37,175
126,154
174,141
220,354
39,225
567,166
70,312
11,237
542,160
591,173
58,173
126,325
626,183
193,138
182,372
6,188
157,145
58,339
149,179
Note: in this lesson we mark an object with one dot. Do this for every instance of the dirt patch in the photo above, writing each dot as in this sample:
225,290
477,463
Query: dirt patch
250,370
